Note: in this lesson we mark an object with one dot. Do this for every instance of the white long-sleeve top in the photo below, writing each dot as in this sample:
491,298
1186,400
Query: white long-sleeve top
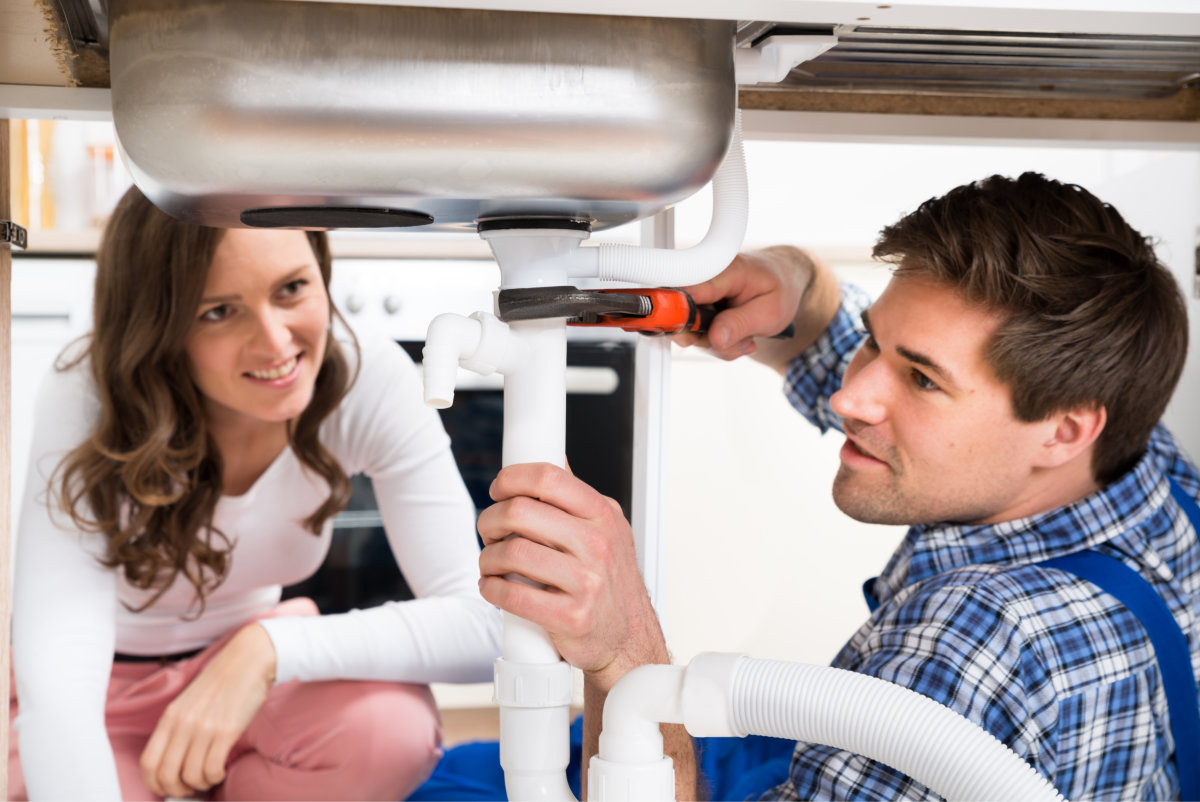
70,613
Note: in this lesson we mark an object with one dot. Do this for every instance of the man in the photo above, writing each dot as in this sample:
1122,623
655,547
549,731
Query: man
1002,398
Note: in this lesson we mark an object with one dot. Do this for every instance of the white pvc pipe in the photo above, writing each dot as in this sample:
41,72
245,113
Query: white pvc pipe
535,740
535,751
535,395
533,685
535,430
532,356
662,267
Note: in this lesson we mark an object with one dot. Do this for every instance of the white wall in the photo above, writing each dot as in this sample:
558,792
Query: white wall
758,558
1161,198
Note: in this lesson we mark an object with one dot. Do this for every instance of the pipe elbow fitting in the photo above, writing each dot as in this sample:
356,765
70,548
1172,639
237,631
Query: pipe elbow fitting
630,763
447,340
635,706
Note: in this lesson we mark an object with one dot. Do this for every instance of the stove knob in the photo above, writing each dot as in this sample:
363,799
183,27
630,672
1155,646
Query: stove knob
391,304
355,303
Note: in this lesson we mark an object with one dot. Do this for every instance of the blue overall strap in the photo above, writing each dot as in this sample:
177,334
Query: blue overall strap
868,589
1170,644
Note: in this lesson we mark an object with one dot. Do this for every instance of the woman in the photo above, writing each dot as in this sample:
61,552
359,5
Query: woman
188,459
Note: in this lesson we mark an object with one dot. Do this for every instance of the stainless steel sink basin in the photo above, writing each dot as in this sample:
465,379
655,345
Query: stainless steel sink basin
270,112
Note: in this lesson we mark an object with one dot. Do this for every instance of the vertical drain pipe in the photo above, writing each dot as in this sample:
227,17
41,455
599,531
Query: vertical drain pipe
532,683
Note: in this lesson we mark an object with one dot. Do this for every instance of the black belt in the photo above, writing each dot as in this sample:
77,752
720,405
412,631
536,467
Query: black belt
121,657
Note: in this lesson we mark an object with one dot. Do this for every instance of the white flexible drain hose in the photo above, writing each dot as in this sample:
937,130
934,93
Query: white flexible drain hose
912,733
725,695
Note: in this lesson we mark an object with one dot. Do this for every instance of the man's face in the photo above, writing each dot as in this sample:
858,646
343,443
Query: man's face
931,434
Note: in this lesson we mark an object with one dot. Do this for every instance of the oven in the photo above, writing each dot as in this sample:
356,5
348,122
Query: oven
387,296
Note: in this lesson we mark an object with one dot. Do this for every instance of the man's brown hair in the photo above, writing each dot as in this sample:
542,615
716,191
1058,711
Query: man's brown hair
1092,317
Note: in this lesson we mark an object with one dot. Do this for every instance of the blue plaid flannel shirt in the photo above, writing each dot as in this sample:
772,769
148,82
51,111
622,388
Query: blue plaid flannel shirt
1055,668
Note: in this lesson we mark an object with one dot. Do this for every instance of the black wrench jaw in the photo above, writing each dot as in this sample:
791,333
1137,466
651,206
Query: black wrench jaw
578,306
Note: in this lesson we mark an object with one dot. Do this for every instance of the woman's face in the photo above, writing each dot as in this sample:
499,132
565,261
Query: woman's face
258,337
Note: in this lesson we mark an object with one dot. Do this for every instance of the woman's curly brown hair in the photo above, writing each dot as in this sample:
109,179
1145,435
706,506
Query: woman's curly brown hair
149,477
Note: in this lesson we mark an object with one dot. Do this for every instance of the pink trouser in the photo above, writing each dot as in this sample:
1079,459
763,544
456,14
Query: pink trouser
310,740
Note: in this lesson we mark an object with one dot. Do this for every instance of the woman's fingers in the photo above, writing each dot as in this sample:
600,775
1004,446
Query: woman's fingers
186,758
193,772
209,768
163,759
189,748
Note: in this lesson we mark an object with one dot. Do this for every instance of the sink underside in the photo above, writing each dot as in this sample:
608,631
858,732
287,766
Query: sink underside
272,113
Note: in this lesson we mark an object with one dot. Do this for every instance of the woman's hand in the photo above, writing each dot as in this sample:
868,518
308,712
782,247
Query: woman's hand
189,747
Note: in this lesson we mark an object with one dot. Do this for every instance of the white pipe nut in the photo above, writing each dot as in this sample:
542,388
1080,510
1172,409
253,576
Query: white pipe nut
619,782
707,686
532,684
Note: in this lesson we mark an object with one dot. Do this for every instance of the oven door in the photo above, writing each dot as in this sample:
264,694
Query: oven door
360,571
